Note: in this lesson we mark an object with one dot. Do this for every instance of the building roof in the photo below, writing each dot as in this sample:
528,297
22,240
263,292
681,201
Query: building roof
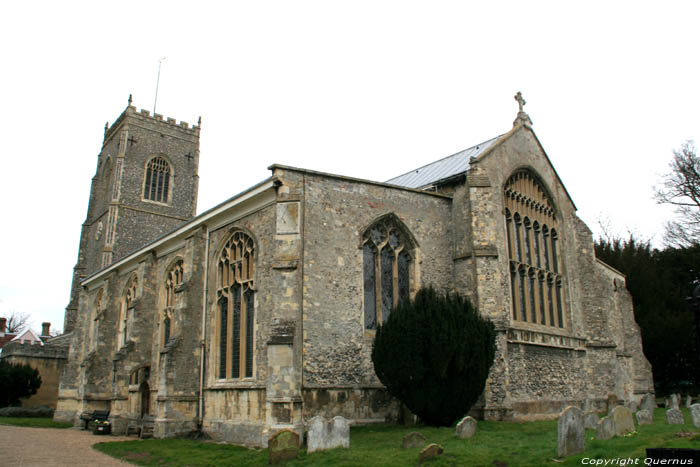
441,169
28,336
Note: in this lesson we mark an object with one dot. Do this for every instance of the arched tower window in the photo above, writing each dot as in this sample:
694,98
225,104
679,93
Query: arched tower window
387,256
157,180
533,251
173,280
236,307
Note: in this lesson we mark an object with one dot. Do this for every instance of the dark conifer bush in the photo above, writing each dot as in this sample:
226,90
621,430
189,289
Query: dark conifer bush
434,354
17,381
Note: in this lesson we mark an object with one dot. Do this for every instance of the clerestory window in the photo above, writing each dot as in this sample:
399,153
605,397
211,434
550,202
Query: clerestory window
157,181
387,259
533,251
236,307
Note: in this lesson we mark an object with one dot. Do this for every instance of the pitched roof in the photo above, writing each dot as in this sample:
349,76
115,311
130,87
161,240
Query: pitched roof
28,336
441,169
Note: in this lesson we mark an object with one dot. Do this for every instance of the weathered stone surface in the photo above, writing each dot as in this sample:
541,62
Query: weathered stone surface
413,440
632,406
612,402
466,428
648,402
571,433
644,417
325,434
688,401
605,428
431,451
695,414
675,401
282,446
590,420
675,417
624,421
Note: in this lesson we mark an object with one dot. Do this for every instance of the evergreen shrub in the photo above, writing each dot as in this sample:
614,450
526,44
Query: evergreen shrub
434,354
17,381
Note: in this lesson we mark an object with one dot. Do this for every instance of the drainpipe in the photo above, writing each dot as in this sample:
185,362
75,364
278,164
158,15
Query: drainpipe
200,404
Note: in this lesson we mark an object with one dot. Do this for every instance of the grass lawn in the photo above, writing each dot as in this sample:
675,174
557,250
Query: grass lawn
34,422
495,443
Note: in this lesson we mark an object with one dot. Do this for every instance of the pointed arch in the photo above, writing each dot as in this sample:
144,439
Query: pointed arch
388,258
126,307
157,179
173,280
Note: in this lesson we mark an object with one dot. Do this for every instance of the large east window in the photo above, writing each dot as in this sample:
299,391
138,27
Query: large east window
236,307
532,233
387,260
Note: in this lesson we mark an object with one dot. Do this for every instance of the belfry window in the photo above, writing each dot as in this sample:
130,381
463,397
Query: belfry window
236,307
387,262
533,251
157,180
172,281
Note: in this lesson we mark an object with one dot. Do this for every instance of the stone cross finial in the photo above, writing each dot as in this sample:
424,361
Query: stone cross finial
130,99
521,102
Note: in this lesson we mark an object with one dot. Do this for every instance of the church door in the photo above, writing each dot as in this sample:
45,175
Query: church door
145,391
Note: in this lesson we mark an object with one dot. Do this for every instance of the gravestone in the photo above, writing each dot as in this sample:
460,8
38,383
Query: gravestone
605,428
466,428
675,417
695,413
413,440
667,404
612,402
688,401
325,434
590,421
282,446
624,422
571,435
644,417
632,405
648,403
431,451
675,401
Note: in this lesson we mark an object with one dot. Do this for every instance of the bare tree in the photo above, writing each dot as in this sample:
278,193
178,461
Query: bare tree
681,188
16,322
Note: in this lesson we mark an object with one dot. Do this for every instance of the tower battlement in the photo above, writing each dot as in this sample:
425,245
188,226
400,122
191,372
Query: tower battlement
146,116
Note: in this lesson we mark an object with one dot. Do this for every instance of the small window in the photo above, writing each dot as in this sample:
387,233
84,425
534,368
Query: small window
157,180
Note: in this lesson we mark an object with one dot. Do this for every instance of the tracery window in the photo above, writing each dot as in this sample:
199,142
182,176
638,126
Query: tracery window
533,251
387,261
236,307
172,281
157,180
127,305
94,322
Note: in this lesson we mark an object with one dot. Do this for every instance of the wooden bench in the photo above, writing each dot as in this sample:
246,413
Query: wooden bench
88,417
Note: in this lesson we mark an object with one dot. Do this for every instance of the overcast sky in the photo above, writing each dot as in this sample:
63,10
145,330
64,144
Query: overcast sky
368,89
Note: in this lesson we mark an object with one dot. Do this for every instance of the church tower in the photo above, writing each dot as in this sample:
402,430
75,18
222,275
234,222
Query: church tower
145,185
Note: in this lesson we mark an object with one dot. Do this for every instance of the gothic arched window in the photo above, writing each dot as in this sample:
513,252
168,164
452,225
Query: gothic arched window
172,281
533,251
157,180
126,308
387,259
235,293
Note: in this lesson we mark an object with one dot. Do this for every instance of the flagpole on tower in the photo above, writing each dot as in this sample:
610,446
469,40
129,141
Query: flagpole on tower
157,83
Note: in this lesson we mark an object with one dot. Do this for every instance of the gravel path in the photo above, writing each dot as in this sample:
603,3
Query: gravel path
25,447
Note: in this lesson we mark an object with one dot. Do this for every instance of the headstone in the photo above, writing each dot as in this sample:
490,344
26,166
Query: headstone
624,422
644,417
612,402
605,428
429,452
325,434
632,405
675,401
675,417
648,403
668,403
688,401
466,428
571,433
590,421
413,440
695,413
282,446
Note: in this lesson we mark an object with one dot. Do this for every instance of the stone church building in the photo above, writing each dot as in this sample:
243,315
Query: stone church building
260,313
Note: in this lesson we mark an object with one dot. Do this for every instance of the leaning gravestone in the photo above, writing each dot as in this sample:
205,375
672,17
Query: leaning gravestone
644,417
413,440
325,434
282,446
648,403
605,428
590,421
571,433
675,417
466,428
429,452
695,413
624,422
